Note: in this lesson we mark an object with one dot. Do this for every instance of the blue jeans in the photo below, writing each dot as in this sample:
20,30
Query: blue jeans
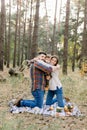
59,97
38,99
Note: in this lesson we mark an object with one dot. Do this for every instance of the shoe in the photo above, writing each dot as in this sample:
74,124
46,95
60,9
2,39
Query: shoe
17,102
59,109
67,99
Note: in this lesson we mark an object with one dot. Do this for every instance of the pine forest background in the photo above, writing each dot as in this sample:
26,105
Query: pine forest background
27,27
24,32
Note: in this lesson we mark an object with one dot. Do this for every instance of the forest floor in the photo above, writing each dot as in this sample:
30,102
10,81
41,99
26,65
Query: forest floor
74,87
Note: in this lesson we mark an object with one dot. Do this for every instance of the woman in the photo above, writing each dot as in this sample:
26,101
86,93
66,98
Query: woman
55,86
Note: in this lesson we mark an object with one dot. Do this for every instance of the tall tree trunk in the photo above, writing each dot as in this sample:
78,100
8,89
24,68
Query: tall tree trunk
2,30
15,40
24,31
34,47
65,52
30,33
47,26
59,16
19,18
84,43
9,36
48,43
54,31
74,50
5,45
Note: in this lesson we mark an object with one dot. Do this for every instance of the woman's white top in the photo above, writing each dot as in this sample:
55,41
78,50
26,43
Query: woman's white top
54,82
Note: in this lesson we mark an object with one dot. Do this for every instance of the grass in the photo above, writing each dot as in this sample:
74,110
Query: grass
74,87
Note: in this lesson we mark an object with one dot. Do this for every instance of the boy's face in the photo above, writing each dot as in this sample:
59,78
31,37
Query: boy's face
47,59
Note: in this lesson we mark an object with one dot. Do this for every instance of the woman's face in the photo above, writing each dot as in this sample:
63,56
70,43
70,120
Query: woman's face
53,61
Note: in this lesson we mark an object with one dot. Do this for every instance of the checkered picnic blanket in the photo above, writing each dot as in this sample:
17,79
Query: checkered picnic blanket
45,110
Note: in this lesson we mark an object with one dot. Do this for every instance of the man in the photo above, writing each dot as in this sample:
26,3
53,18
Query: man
38,79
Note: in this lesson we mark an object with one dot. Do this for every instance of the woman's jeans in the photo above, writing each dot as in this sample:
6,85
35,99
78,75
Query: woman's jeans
38,99
59,97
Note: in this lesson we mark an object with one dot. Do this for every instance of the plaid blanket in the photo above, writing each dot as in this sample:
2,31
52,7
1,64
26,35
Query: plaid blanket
47,110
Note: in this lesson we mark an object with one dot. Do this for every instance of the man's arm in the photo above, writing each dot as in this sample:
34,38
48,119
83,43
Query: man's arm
45,67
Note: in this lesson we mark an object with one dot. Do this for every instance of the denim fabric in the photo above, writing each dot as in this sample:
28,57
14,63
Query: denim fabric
59,97
38,99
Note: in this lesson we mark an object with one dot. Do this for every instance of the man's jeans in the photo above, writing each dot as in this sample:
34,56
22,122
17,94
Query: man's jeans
38,99
59,97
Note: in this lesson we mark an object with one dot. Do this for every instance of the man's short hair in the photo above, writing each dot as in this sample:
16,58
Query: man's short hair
41,52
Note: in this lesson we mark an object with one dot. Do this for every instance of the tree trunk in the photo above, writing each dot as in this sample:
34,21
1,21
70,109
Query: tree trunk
47,29
30,33
19,18
15,40
34,47
65,52
9,36
5,45
84,43
59,16
74,50
54,31
24,31
2,30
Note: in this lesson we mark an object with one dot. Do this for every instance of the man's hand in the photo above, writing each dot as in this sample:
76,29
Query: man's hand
48,77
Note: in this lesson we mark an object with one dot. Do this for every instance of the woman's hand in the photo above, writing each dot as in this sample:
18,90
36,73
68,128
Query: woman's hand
55,67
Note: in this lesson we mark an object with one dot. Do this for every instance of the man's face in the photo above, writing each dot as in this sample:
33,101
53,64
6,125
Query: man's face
42,57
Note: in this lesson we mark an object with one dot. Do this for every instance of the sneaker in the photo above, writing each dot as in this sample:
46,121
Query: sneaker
59,109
